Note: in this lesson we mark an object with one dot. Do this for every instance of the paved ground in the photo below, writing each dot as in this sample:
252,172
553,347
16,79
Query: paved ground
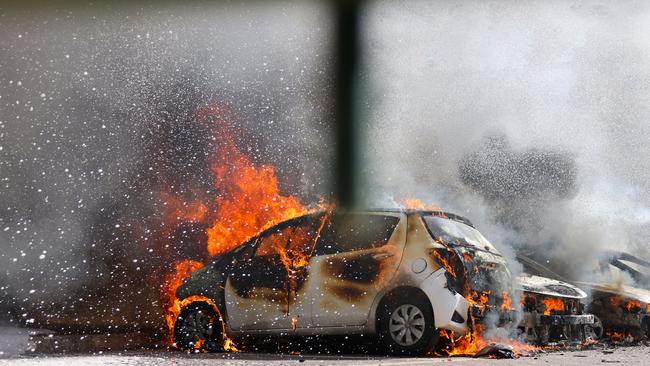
639,355
15,350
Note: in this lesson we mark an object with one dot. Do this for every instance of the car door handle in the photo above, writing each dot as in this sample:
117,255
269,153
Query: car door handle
382,255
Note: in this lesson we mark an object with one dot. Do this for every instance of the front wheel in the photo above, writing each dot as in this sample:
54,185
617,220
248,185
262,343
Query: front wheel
406,327
198,327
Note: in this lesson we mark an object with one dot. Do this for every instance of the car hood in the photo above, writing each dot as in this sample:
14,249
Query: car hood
548,286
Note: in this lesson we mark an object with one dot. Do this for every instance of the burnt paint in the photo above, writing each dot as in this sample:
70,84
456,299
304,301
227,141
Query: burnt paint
258,272
363,269
347,292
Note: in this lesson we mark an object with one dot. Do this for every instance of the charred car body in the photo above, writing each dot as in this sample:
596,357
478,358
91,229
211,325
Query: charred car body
621,312
401,275
554,311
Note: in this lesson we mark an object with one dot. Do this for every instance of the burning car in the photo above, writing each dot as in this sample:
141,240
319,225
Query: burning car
401,275
553,311
622,312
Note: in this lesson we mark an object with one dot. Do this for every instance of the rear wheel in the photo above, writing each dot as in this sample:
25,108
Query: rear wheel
198,327
406,326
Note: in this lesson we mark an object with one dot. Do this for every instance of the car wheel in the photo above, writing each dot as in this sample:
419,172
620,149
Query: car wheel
406,327
594,331
198,327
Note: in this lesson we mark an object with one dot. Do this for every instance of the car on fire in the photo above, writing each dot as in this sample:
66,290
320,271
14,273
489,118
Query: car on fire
555,311
622,311
405,276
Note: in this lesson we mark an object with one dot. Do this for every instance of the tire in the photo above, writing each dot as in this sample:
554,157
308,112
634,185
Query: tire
594,331
406,326
196,322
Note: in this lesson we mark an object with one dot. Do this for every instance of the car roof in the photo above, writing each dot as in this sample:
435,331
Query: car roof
437,213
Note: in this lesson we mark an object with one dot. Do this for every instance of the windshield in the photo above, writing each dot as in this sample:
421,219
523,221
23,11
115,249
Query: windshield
456,233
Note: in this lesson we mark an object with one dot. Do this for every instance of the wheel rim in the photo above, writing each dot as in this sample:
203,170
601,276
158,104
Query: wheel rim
197,325
406,325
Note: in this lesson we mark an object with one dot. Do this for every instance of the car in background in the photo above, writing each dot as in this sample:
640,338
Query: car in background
555,311
622,311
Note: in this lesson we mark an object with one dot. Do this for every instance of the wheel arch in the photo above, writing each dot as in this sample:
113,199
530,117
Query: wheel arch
394,293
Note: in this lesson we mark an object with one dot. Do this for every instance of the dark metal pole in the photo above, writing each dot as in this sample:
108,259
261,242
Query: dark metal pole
346,49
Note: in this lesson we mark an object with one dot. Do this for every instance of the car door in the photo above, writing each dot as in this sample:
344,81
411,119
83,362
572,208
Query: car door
256,289
298,264
354,258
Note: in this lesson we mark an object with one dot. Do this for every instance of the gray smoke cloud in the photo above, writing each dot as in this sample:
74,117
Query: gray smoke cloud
528,118
97,116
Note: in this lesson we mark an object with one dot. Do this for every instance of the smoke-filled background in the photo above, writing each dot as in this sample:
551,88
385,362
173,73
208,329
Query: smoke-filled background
99,135
530,118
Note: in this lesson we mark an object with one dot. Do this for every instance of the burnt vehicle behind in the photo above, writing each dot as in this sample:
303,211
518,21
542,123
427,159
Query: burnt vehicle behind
621,311
401,275
554,311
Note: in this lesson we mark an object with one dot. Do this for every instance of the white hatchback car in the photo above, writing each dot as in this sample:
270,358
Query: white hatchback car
397,274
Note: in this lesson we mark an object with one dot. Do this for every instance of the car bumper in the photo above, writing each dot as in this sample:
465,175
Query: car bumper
450,309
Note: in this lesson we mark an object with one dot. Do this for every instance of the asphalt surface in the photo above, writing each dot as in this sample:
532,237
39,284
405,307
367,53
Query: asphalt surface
17,349
639,355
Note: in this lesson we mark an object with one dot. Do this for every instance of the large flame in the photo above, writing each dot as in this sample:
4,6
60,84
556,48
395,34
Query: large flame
249,198
248,201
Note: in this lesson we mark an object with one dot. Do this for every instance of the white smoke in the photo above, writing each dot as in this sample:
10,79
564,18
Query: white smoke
562,78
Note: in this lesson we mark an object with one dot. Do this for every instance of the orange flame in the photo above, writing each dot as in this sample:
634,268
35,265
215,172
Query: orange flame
417,204
199,344
618,337
479,298
172,306
444,262
553,305
630,305
633,306
249,199
507,303
472,343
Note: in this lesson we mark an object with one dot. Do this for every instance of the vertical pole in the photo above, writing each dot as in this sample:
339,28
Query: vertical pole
346,49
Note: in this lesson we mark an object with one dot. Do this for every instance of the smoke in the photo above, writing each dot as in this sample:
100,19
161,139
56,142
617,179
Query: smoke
98,119
528,118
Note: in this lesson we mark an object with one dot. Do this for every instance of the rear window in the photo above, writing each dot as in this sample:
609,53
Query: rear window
456,233
350,232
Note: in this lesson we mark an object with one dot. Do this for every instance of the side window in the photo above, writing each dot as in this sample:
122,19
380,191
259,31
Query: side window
273,242
350,232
